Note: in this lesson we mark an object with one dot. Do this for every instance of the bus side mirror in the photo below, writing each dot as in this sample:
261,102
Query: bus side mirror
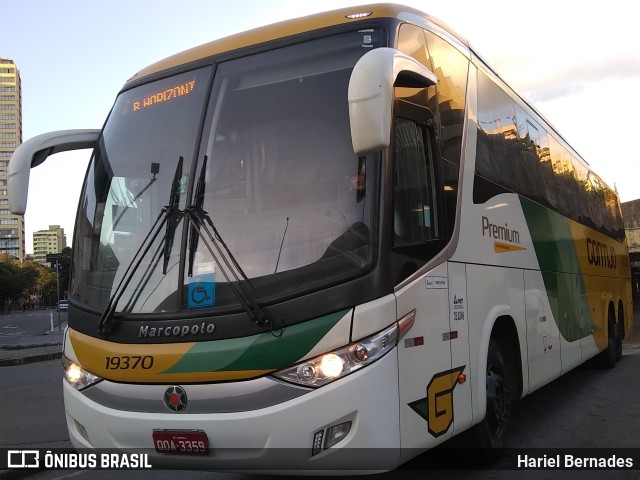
35,151
371,95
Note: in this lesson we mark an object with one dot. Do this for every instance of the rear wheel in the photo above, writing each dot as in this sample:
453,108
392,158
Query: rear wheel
620,332
609,356
490,435
619,338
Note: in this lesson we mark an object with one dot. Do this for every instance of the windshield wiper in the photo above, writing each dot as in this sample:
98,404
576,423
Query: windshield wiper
201,219
104,323
194,235
169,215
173,215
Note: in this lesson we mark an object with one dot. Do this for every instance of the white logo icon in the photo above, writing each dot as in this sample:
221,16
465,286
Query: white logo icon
23,459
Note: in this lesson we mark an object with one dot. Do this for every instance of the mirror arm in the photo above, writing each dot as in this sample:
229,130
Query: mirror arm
35,151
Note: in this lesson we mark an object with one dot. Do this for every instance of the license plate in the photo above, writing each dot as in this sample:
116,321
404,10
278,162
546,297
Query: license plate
181,442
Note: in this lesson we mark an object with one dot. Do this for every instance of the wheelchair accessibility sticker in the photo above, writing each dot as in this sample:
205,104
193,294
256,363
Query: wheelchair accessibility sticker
201,291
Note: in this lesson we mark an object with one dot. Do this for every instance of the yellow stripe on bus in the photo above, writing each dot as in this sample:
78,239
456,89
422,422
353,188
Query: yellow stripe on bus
129,362
603,267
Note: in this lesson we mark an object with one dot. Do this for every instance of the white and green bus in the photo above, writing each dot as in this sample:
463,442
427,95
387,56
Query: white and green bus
333,242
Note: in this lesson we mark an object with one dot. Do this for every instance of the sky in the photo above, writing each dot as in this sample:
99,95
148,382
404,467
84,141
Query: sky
580,67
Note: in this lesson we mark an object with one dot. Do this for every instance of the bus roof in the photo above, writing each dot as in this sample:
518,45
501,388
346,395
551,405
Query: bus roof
286,29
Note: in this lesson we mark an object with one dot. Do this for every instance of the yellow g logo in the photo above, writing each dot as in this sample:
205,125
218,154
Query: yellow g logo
440,401
437,408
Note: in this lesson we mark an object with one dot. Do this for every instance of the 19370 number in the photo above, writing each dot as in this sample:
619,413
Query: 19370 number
126,362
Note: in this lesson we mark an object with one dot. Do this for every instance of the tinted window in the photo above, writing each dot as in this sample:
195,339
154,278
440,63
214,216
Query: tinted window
282,184
452,68
563,178
411,41
497,134
415,212
515,153
145,150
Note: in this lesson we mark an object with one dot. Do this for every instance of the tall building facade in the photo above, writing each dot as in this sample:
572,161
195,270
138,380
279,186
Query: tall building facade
48,241
12,241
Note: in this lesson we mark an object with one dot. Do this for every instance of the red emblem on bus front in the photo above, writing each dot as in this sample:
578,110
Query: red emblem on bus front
175,398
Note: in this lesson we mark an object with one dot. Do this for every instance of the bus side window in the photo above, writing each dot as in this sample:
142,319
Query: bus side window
415,215
446,102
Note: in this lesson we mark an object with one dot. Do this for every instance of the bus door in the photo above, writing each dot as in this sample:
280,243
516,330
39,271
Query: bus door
426,408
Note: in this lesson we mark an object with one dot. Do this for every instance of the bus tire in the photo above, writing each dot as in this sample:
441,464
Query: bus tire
621,331
609,355
619,338
490,435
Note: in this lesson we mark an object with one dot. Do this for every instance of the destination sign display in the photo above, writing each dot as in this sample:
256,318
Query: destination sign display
164,96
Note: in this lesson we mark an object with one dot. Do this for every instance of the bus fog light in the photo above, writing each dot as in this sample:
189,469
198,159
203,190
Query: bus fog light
336,434
317,443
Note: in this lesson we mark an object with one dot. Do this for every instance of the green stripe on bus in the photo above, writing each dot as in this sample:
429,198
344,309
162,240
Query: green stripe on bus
558,260
265,351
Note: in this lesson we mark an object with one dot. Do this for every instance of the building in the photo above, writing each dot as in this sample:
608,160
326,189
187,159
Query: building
631,215
12,241
48,241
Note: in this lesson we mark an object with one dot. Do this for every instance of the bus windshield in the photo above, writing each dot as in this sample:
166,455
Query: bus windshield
270,148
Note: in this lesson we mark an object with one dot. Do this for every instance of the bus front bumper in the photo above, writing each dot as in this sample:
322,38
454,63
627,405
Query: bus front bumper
279,438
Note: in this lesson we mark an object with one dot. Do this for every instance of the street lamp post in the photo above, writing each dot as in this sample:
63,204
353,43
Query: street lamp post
58,288
54,259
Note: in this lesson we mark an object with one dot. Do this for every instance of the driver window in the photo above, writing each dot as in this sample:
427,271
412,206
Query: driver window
415,211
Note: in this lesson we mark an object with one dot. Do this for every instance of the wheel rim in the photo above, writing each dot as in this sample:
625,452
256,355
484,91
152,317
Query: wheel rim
498,403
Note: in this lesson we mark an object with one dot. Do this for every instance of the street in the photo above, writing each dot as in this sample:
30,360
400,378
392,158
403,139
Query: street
19,325
587,408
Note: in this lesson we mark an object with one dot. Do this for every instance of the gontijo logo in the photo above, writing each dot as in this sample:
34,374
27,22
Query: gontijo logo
600,255
509,237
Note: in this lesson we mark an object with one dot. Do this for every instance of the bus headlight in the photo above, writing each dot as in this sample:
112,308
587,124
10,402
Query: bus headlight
320,370
77,376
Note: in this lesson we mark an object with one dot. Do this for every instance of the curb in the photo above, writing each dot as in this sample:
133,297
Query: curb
24,347
33,358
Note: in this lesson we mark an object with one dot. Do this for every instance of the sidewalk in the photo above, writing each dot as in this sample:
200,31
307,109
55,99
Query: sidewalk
633,341
39,348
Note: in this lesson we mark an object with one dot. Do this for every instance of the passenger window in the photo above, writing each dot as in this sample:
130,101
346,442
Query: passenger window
415,216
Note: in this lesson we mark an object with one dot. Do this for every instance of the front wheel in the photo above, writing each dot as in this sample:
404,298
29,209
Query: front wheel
490,435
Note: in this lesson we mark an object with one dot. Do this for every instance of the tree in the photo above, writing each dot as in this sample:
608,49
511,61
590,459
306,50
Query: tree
9,284
24,283
65,271
28,283
28,280
43,291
